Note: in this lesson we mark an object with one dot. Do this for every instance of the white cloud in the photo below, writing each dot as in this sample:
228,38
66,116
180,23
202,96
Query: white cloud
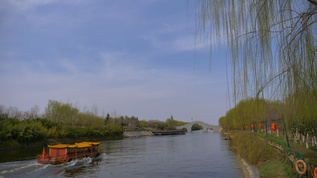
26,4
108,72
187,43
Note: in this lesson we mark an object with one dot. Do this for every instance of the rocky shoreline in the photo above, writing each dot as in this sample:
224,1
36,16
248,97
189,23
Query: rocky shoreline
249,171
129,134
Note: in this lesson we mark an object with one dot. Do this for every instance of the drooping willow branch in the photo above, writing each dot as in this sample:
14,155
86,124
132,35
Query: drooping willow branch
272,45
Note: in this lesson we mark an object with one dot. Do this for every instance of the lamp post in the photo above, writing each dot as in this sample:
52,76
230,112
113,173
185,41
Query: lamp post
279,121
253,126
273,126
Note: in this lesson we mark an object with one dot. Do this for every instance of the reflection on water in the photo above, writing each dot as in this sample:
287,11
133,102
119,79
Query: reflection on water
195,154
20,154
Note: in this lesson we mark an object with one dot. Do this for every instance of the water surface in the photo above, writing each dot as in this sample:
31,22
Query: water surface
195,154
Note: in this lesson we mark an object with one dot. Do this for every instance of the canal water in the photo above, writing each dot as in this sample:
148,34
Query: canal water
195,154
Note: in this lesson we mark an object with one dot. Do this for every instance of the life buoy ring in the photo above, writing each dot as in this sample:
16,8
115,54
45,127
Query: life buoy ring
302,172
62,159
315,172
66,159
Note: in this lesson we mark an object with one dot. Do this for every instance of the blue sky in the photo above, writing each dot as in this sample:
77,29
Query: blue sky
134,58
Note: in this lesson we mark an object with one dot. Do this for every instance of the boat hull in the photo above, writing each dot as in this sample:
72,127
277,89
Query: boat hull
62,159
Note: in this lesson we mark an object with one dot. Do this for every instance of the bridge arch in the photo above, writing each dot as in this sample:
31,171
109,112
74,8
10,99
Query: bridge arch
205,126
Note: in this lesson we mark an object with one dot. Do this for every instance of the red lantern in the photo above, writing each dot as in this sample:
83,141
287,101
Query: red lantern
260,125
273,127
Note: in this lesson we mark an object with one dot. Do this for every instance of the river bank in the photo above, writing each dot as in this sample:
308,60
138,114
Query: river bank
253,152
128,134
264,155
249,171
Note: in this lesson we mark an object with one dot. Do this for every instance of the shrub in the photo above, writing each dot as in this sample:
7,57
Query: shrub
252,148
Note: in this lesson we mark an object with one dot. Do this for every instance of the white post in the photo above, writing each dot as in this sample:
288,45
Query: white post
307,141
300,139
307,137
277,133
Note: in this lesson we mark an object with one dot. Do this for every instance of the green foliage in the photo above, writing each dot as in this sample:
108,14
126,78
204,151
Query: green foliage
61,113
143,124
175,122
273,55
23,131
251,111
63,120
28,131
91,132
276,169
157,124
252,148
197,127
256,111
6,128
272,44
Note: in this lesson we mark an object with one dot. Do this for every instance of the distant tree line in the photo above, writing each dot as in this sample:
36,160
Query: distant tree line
14,112
64,120
296,116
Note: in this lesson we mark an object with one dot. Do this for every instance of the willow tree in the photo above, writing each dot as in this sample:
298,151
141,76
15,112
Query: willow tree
273,48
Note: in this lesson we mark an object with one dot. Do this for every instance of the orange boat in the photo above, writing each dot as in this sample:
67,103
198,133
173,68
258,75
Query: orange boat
61,153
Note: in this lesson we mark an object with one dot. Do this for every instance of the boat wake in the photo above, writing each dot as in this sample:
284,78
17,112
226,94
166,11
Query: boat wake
76,163
84,162
31,168
11,167
41,167
79,164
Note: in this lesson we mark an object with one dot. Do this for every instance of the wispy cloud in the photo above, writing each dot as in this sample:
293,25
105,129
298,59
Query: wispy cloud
25,5
115,86
134,57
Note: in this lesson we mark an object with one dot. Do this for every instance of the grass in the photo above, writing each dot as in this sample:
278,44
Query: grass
255,149
276,169
310,154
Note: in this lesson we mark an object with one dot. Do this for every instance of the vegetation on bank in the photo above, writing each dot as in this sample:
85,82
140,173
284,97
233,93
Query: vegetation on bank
256,151
288,116
270,161
276,168
292,120
65,121
252,148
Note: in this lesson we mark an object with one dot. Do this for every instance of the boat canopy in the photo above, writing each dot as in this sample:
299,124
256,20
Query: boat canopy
76,145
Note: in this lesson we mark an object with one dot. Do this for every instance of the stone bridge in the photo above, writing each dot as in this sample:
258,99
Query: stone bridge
215,128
